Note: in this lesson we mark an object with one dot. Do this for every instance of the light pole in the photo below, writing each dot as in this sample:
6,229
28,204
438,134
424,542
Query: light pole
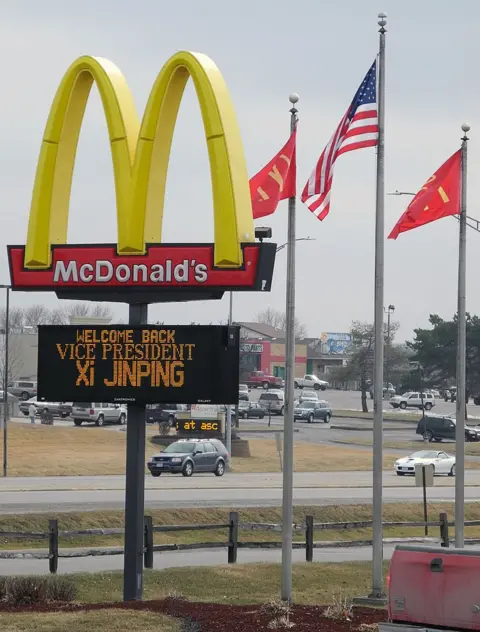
389,311
5,375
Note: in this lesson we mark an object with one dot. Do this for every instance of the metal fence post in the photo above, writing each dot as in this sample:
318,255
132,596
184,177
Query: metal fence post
309,538
444,539
148,541
53,546
233,537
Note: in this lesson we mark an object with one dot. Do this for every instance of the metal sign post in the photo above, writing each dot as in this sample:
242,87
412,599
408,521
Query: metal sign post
424,478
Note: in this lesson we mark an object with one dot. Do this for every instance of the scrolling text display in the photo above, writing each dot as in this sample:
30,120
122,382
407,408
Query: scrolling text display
156,361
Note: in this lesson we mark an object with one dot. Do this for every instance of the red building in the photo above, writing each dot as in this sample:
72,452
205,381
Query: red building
262,348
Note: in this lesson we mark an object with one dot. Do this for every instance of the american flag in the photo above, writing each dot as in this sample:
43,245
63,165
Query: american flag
357,129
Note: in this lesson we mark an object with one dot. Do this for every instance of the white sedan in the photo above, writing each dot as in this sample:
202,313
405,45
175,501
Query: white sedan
442,462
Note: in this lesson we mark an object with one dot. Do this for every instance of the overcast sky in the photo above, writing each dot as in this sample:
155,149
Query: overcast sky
266,49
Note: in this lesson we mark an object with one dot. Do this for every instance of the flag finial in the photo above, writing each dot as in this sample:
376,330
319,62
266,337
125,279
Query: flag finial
465,129
293,98
382,22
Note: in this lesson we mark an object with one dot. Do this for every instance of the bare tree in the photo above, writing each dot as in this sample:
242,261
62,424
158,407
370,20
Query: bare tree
57,317
15,318
278,320
36,315
100,310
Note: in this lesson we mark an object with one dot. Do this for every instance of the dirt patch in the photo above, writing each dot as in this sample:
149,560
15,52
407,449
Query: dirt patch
211,617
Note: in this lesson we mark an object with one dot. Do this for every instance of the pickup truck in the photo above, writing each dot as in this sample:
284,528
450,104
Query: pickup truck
310,381
260,379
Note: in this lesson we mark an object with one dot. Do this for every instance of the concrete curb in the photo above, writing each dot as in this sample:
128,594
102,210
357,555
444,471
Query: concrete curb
362,428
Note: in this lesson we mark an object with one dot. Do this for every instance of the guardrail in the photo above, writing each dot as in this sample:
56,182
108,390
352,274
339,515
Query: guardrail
232,543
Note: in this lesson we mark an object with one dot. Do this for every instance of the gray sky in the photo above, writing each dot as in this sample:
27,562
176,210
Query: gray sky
265,49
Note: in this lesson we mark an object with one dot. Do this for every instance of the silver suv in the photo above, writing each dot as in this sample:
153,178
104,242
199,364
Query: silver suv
24,389
98,413
273,401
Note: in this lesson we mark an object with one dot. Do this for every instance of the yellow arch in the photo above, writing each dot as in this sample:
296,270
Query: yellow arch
140,166
51,192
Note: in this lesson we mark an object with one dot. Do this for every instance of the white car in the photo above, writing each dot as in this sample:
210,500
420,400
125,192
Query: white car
442,462
413,400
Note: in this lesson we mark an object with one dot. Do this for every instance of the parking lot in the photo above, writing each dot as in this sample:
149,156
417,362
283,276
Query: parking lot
350,400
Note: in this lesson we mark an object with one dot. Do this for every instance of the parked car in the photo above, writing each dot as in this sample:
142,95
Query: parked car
450,394
308,396
435,428
57,409
10,397
413,400
23,389
161,413
243,393
98,413
261,379
311,411
249,410
187,456
311,381
273,401
442,462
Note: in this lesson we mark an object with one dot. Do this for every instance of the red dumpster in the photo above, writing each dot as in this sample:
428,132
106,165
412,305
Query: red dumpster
435,586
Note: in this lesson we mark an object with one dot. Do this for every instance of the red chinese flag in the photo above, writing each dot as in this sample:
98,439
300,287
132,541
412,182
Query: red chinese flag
276,181
439,197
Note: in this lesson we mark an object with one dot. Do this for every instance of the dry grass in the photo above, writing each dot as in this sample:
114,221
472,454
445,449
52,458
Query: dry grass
309,457
313,583
57,451
401,512
93,621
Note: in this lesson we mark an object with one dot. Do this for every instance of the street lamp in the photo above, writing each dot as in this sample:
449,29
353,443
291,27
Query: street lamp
5,375
389,311
228,430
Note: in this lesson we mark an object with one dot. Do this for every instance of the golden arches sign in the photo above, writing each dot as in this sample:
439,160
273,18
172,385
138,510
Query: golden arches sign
140,155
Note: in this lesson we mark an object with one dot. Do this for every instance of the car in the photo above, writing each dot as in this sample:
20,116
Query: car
450,394
161,413
98,413
310,411
57,409
413,400
10,397
261,379
442,462
273,401
249,410
437,428
308,396
23,389
311,381
243,393
187,456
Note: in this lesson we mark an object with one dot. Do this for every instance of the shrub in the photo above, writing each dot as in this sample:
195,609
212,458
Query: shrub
3,588
60,589
24,591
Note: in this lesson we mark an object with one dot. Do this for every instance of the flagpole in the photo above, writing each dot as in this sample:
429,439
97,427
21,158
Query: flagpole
461,354
377,545
287,495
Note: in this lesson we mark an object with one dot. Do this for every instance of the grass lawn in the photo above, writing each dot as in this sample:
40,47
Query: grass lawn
96,621
471,449
313,583
401,512
59,451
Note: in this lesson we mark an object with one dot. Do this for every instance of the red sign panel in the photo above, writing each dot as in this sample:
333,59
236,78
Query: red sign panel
170,267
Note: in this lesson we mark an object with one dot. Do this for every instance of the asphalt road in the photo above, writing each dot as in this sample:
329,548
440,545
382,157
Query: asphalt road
234,490
206,557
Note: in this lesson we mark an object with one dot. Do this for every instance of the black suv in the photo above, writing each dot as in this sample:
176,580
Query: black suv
186,456
438,428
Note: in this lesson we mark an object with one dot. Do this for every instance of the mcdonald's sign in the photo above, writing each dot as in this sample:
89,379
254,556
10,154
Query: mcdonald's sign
139,267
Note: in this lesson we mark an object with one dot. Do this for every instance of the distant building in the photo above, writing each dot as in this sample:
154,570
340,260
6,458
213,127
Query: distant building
262,348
